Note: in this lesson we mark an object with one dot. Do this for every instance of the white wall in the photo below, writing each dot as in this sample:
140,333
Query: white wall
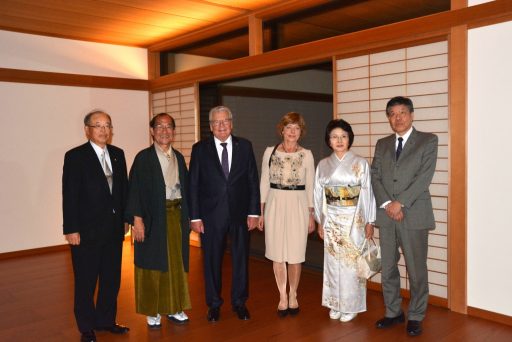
31,52
489,168
41,122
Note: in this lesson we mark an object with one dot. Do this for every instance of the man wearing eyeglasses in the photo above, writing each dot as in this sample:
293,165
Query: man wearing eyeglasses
94,192
157,208
224,202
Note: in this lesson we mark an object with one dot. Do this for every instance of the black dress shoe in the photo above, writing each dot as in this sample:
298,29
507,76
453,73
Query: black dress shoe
114,329
282,313
242,312
414,328
387,322
213,314
293,311
88,336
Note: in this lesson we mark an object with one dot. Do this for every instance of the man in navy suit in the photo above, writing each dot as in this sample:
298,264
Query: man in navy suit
94,192
224,201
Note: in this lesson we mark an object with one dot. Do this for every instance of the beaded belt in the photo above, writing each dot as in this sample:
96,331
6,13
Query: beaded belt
287,187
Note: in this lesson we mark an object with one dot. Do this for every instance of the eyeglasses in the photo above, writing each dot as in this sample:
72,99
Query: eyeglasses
217,123
337,137
100,127
163,127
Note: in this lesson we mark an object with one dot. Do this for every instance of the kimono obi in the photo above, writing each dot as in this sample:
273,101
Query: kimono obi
342,196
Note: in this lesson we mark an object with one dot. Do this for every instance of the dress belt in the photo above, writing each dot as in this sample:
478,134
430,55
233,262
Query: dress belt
287,187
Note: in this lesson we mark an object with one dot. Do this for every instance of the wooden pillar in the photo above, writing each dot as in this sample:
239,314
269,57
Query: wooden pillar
457,215
153,65
255,35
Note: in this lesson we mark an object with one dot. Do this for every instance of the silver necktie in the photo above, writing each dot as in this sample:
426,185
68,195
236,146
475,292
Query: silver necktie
106,169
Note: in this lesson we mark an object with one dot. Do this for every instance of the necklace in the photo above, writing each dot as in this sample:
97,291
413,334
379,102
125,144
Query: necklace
290,151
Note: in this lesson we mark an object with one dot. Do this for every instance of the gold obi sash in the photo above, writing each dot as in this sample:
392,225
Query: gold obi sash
342,196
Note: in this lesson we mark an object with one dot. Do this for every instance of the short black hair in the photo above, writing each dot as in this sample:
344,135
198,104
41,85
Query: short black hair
399,100
338,123
156,117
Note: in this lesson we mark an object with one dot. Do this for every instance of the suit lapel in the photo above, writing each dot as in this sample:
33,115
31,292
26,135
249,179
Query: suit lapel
212,151
235,155
391,148
93,160
409,145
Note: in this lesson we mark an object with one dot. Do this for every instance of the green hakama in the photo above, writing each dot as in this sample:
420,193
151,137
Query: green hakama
167,292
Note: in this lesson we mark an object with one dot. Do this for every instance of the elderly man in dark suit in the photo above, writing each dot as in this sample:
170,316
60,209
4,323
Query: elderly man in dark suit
94,192
402,169
224,201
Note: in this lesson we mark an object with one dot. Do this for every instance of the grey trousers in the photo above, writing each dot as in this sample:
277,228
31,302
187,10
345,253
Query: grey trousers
414,245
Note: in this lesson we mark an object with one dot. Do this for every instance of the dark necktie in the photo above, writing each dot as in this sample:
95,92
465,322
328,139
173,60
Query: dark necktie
224,160
399,148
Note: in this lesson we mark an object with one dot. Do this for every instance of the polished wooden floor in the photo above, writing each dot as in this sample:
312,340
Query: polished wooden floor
36,305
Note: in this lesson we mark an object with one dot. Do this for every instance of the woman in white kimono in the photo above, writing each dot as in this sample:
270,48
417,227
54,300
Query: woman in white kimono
345,210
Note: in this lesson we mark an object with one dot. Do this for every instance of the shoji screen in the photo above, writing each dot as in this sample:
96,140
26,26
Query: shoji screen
181,105
364,85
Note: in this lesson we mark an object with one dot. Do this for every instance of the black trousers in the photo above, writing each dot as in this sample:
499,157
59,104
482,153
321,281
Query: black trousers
96,263
213,243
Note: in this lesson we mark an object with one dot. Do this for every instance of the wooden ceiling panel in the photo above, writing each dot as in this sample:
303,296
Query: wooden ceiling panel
127,22
114,12
204,10
73,32
84,20
248,5
194,26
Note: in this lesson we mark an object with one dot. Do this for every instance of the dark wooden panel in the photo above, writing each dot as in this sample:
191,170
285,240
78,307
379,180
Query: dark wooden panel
42,77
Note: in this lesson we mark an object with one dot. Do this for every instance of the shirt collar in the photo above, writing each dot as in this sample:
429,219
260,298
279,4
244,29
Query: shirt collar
406,135
218,142
98,149
160,150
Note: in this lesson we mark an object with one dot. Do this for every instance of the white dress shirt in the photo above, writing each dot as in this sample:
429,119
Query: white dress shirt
99,151
229,147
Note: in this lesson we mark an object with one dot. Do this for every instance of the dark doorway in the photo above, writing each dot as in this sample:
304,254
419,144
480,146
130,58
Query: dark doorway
259,103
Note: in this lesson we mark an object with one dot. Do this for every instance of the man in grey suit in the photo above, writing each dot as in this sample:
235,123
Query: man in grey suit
402,169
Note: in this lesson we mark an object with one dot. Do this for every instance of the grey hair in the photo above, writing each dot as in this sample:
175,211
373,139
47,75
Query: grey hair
88,116
220,109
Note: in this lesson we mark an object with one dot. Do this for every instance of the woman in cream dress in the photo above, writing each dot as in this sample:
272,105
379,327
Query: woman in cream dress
345,210
286,188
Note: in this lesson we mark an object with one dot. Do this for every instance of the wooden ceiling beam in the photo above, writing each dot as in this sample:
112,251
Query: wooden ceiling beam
234,24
